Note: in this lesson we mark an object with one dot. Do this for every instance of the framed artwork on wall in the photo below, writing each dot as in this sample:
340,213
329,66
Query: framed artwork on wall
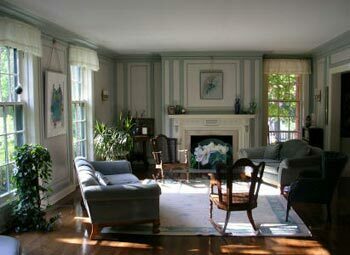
211,84
55,103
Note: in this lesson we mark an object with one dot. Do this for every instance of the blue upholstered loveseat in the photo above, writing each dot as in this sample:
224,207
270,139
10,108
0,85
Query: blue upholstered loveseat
285,161
112,195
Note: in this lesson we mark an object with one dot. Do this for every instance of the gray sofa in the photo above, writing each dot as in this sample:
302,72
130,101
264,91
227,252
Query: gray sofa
284,161
112,195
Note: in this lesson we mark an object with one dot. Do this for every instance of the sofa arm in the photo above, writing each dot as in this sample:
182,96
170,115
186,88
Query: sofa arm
112,167
121,192
310,161
290,169
252,153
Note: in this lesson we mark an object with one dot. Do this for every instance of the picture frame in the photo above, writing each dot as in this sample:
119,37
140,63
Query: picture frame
211,84
55,103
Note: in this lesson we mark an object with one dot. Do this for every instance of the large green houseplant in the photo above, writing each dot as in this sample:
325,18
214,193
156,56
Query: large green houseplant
113,143
31,177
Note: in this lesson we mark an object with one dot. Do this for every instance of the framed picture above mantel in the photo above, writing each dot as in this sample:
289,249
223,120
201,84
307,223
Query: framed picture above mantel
211,84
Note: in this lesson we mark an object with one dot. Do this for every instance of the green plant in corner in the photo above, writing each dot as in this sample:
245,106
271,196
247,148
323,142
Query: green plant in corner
31,177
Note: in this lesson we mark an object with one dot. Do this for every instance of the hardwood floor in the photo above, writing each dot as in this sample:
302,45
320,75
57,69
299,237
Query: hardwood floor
71,237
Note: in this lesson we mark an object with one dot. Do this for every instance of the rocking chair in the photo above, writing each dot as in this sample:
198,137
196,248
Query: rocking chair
230,200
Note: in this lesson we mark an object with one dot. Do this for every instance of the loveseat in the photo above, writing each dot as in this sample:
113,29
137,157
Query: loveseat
285,161
112,195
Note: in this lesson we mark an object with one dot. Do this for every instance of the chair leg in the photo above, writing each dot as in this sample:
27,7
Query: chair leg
288,209
228,213
95,231
211,209
250,217
156,224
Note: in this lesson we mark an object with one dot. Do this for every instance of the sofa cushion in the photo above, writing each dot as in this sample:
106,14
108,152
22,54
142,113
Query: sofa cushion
80,161
87,177
294,148
272,151
271,165
102,179
116,179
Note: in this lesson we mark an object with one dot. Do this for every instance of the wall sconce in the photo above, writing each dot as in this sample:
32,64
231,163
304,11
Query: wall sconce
104,95
317,95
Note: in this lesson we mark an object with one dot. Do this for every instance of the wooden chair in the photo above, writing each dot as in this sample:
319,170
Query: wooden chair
164,151
229,200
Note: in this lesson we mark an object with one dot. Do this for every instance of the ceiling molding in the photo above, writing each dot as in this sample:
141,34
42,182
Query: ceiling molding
51,29
337,43
216,54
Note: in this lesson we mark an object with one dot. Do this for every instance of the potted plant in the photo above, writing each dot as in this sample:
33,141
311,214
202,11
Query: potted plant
32,173
113,143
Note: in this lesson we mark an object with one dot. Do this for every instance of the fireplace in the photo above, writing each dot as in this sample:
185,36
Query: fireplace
209,150
234,127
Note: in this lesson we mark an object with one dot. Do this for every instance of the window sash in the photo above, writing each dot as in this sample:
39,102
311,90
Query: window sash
79,111
12,112
284,132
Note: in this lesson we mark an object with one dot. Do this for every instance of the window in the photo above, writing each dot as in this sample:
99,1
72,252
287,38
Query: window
284,107
11,116
79,110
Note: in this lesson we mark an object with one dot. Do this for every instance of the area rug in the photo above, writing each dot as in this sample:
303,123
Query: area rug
184,210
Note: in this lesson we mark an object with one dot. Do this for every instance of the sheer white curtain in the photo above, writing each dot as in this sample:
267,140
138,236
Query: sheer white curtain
19,35
84,57
287,66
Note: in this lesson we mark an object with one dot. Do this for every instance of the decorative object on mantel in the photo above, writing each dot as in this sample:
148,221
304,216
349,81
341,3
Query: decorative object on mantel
252,108
237,105
211,84
177,109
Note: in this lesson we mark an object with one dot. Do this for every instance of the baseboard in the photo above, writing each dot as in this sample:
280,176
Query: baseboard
61,194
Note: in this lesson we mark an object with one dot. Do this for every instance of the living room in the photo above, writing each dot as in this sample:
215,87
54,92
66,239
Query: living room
149,58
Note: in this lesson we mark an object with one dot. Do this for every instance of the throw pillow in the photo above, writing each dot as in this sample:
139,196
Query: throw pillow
302,152
272,151
103,180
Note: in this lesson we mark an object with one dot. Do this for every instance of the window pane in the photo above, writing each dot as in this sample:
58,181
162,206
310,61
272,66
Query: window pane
19,117
273,109
10,169
5,88
4,60
82,127
2,150
10,119
20,139
2,120
3,179
11,143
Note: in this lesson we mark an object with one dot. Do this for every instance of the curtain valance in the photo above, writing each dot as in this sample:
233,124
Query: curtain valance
19,35
287,66
83,57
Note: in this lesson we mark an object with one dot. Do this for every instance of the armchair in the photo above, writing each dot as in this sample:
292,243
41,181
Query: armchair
164,151
311,187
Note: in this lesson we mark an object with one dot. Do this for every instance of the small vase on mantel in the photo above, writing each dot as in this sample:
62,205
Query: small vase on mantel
237,105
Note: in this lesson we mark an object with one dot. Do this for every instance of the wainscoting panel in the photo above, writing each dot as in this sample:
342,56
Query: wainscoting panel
139,88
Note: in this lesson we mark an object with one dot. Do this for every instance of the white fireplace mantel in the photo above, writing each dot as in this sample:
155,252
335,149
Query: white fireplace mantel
182,126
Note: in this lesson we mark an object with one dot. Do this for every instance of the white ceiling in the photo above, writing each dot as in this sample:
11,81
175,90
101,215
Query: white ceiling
151,26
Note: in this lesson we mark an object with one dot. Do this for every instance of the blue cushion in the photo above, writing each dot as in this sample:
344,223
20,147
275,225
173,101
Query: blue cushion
9,245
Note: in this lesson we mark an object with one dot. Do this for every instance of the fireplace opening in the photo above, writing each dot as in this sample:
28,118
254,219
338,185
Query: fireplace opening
209,150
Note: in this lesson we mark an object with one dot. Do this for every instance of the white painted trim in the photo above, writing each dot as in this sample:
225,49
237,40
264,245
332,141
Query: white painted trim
62,193
333,130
